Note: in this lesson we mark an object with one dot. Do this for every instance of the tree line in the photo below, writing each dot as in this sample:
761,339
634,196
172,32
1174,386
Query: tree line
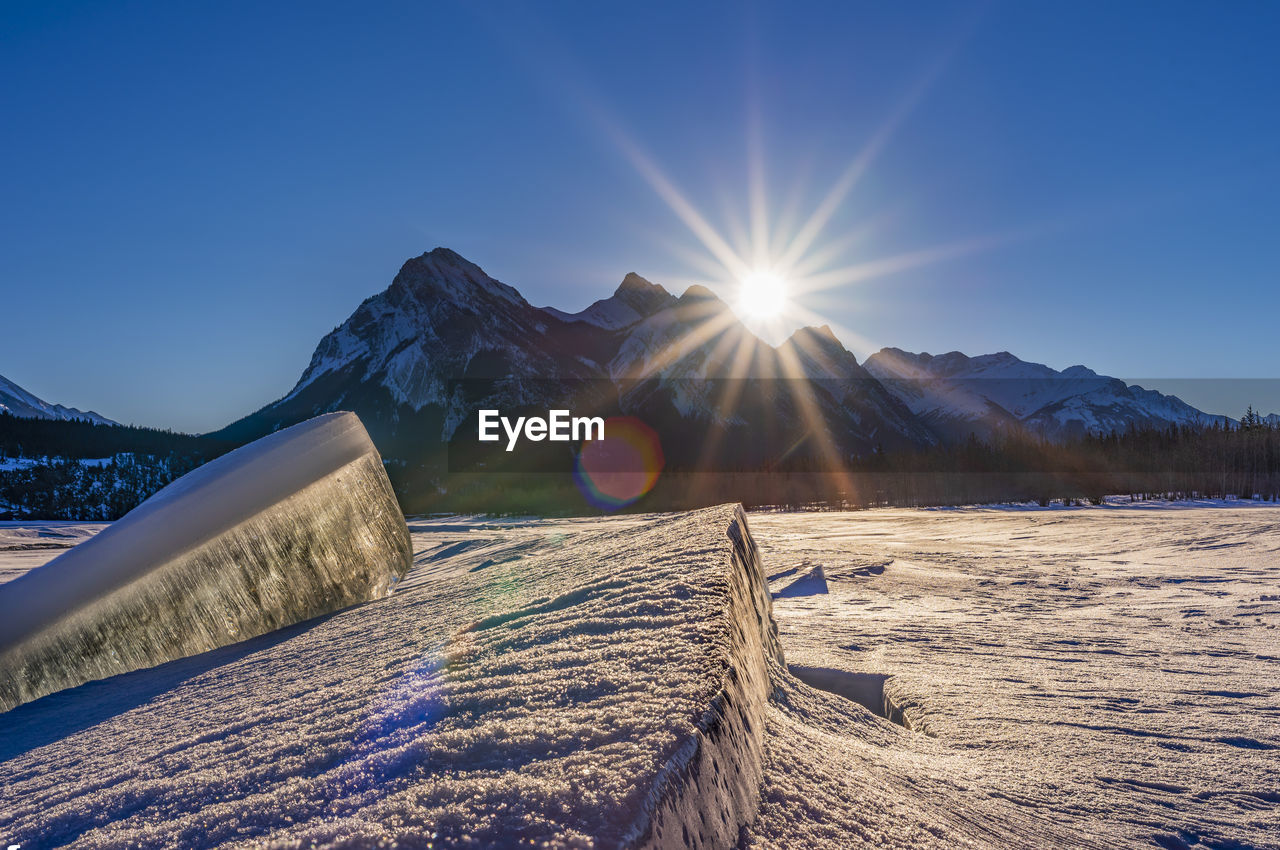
69,488
1175,462
76,438
77,470
1215,461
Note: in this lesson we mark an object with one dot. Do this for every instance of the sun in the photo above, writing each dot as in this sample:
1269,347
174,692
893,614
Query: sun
762,294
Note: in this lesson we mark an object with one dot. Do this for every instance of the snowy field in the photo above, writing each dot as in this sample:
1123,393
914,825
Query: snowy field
27,545
1115,670
1093,677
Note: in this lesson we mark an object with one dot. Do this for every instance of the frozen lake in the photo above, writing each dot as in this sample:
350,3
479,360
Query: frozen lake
1104,676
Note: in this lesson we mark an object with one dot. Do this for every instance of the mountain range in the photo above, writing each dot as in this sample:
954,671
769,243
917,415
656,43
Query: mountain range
956,395
19,402
419,359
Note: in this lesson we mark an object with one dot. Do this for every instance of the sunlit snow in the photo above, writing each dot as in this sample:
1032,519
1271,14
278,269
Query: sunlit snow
1101,676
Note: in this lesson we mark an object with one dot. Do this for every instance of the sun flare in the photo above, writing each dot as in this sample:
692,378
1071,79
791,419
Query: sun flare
762,295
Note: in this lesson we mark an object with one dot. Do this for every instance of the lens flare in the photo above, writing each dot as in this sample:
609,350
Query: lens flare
619,469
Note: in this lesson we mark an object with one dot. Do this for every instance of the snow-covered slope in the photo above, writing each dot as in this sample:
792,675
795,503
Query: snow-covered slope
877,415
17,401
695,337
956,394
1090,678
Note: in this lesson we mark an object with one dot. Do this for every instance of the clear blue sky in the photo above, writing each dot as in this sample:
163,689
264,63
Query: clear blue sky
194,193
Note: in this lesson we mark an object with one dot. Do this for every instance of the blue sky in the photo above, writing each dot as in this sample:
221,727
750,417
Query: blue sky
195,193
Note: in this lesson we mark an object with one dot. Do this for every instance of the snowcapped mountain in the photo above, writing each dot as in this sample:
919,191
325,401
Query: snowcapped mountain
955,395
695,362
17,401
819,356
693,337
445,339
408,359
442,318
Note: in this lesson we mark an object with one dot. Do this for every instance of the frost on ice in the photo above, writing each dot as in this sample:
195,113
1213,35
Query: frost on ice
298,524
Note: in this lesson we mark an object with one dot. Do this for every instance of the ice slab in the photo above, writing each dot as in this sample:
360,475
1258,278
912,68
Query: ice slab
298,524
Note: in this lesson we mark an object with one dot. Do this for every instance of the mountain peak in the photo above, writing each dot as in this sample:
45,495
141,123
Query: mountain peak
440,259
445,271
891,351
815,335
951,361
822,331
896,362
635,283
446,254
820,353
698,292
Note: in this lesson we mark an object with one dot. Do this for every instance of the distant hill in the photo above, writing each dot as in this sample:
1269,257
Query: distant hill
19,402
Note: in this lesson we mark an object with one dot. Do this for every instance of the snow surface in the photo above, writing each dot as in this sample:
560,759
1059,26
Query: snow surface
294,525
25,545
1106,674
1093,677
554,681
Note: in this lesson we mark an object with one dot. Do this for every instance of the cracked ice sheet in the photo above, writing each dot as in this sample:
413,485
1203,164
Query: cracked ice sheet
1114,671
387,720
